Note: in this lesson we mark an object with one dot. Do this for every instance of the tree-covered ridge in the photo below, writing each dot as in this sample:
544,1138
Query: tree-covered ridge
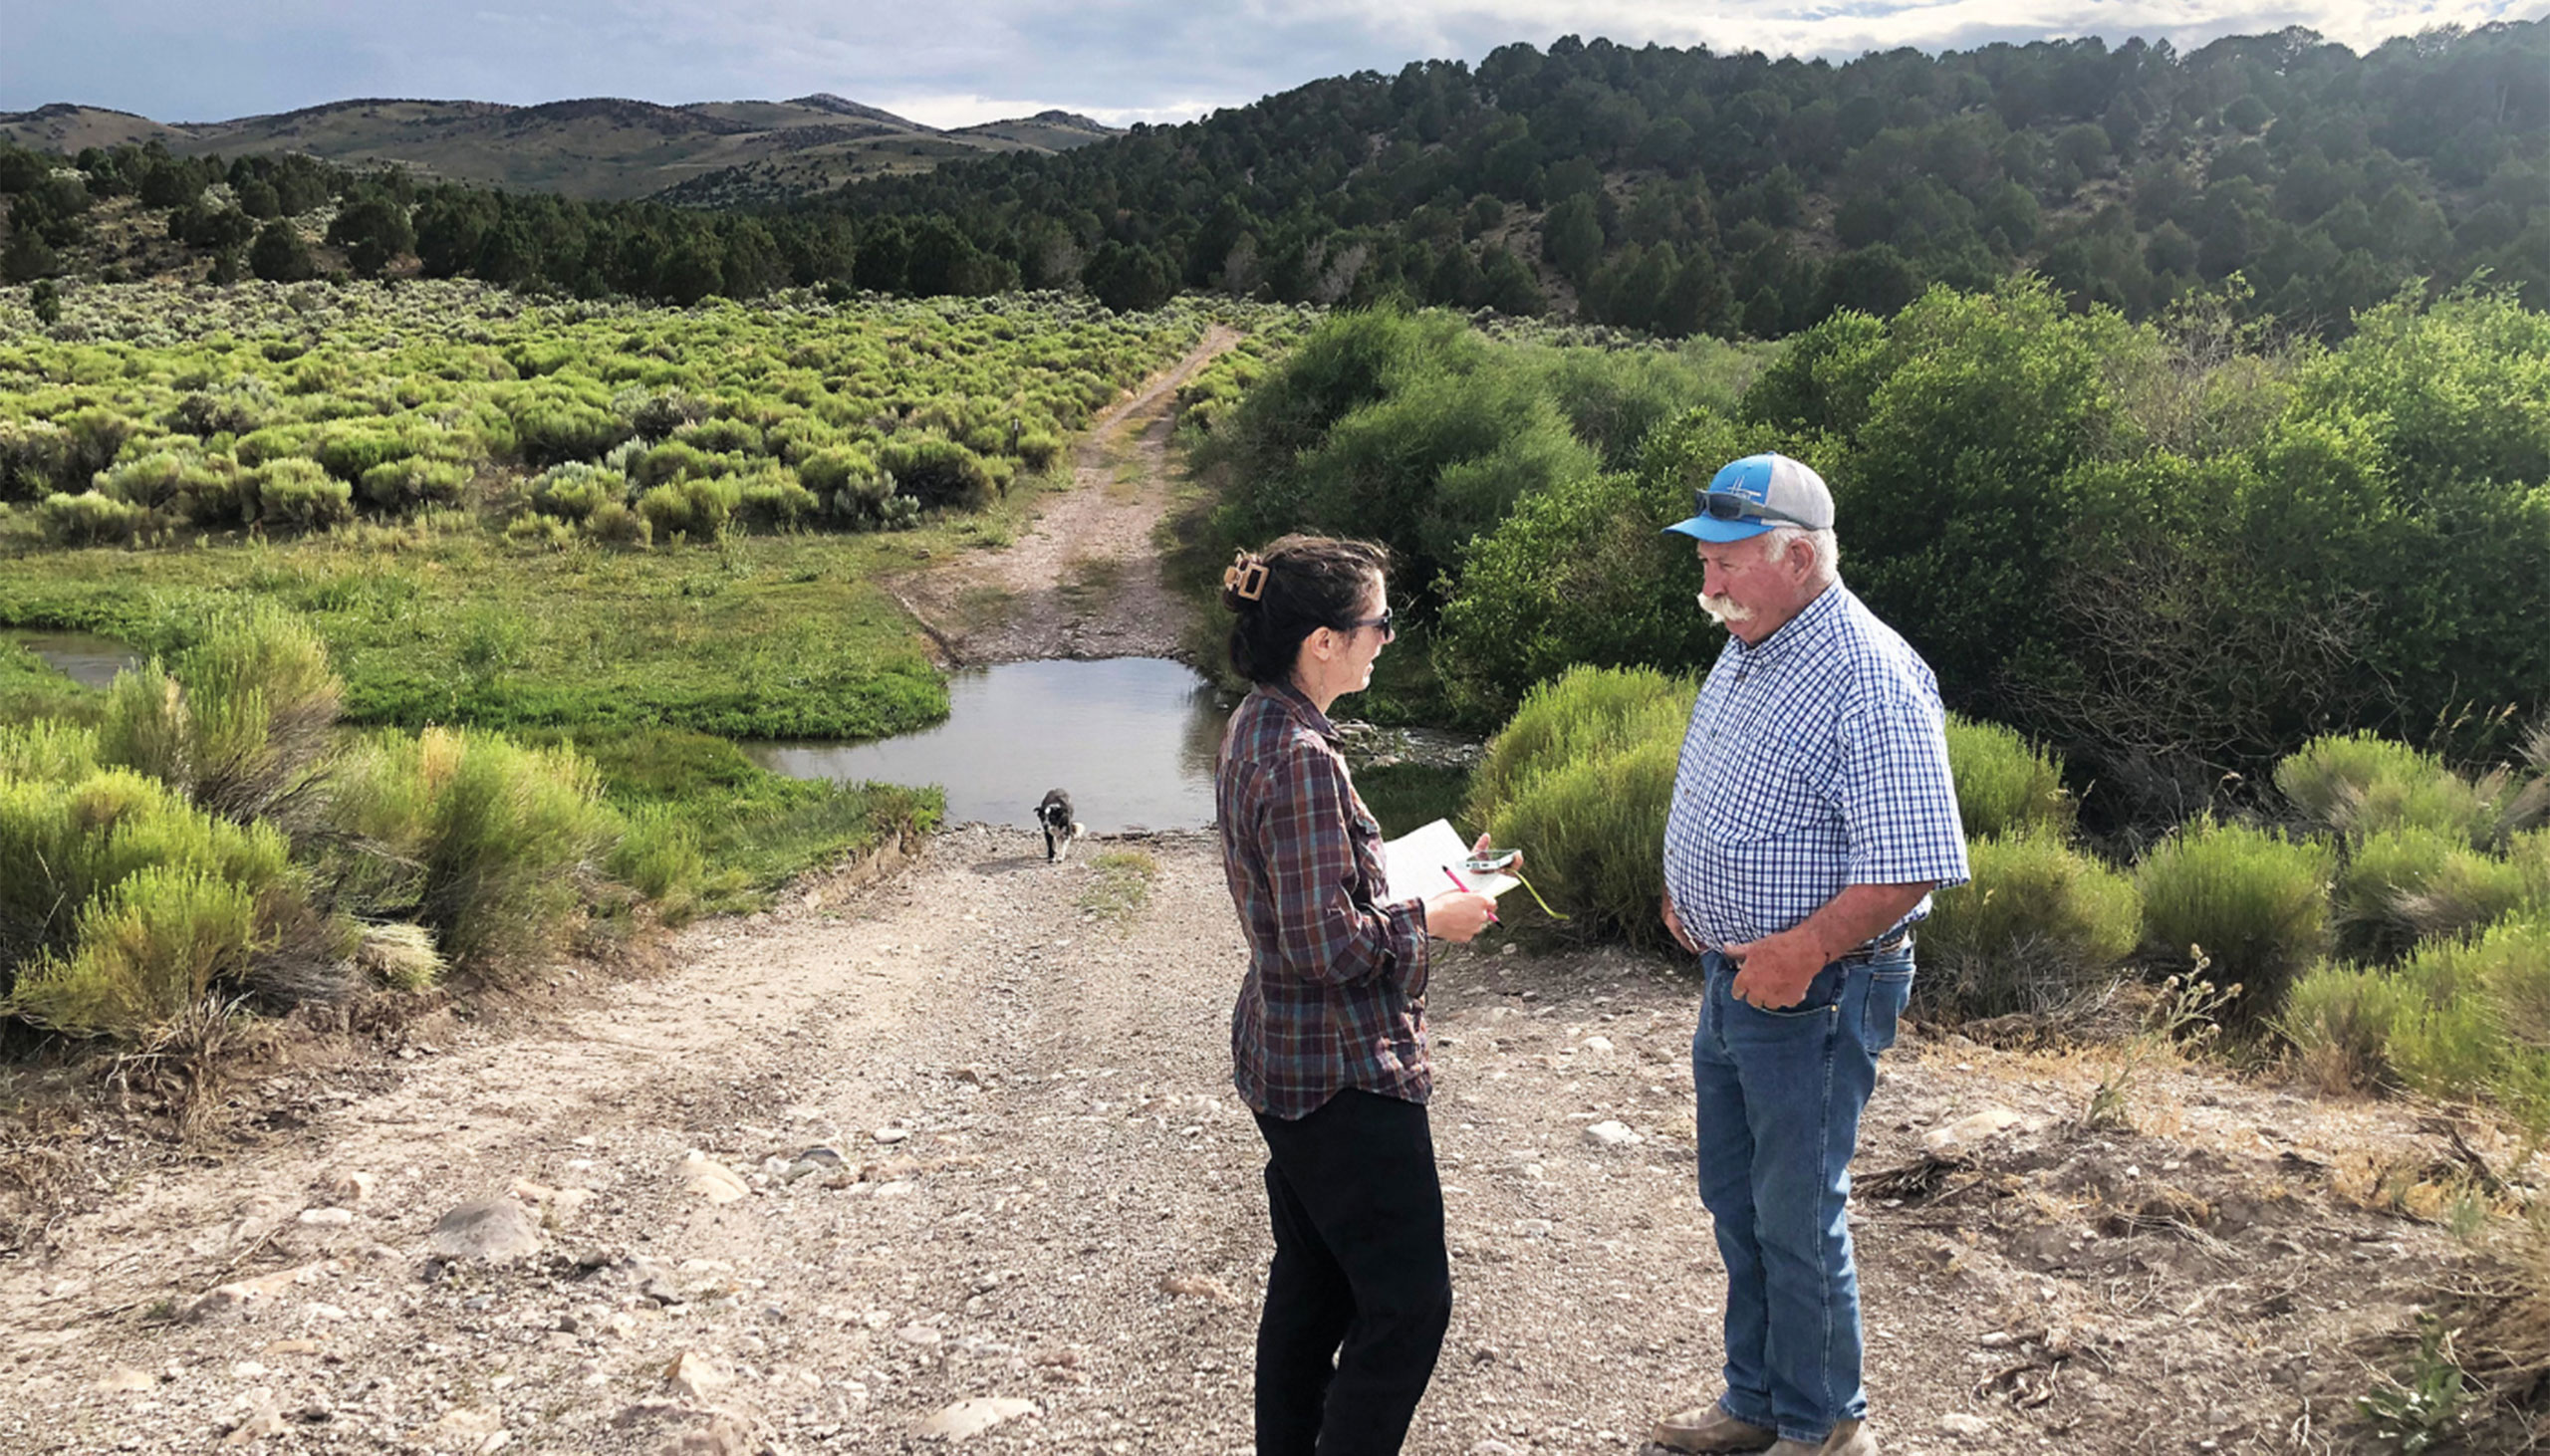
1675,191
1684,190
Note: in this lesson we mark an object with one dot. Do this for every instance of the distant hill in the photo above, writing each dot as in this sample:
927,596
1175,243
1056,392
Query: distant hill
596,148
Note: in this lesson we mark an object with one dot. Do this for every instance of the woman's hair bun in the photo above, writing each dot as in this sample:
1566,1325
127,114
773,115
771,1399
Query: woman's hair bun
1243,581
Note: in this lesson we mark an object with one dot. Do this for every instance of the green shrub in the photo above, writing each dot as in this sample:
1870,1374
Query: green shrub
673,460
481,839
146,728
938,472
250,721
149,949
301,494
1038,449
2254,900
2476,1018
2382,870
1580,572
615,525
549,430
163,478
2005,785
772,499
401,486
47,751
575,490
91,519
659,857
350,451
35,459
698,508
1581,780
510,831
2338,1019
2467,891
2040,923
722,436
66,842
2360,784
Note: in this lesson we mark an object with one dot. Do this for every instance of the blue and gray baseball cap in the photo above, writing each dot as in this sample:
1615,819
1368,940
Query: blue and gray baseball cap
1756,494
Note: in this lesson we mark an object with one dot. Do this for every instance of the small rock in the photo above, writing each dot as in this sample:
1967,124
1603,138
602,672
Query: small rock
1958,1423
1198,1286
890,1135
1493,1448
470,1420
696,1376
353,1187
1596,1044
925,1336
968,1418
491,1231
1970,1132
710,1179
1608,1133
722,1436
126,1379
240,1297
261,1423
291,1346
328,1218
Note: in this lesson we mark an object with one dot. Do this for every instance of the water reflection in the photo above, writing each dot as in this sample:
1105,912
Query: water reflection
1130,738
90,661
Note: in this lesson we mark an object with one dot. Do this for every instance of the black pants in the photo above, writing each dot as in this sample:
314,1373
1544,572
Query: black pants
1360,1288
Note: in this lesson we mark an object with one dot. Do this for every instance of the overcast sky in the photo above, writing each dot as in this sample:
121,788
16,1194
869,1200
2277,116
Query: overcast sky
950,63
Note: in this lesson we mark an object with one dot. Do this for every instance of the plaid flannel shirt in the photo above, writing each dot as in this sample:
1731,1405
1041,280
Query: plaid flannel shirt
1815,760
1335,994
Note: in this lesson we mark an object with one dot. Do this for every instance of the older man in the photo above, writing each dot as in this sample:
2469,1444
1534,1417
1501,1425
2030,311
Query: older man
1812,817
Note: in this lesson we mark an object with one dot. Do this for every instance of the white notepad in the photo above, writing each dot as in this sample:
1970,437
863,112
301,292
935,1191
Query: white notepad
1429,860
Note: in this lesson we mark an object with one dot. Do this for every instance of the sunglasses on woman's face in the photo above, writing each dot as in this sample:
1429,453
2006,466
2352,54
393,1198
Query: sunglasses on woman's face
1383,621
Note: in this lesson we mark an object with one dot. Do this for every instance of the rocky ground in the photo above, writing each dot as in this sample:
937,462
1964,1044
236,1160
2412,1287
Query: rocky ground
958,1152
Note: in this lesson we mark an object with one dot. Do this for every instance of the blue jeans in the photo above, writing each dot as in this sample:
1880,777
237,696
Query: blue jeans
1780,1094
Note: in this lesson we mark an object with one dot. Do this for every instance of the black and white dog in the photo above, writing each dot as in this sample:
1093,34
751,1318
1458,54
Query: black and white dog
1055,815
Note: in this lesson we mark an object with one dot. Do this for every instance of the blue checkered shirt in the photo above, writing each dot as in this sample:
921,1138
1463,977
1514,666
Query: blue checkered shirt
1815,761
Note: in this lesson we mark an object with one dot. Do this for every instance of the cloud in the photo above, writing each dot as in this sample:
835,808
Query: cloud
957,62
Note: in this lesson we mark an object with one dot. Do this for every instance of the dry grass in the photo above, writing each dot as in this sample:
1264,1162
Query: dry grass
1119,885
186,1065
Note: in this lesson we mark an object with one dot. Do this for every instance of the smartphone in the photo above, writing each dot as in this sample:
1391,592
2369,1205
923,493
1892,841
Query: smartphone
1493,861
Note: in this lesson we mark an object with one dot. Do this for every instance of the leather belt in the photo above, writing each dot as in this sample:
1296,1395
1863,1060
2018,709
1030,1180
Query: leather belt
1899,940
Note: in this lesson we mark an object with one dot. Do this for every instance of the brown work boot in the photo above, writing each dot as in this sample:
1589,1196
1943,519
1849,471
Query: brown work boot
1710,1428
1849,1438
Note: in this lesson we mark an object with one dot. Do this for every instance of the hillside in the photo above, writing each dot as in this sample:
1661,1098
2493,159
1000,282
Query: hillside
1689,191
598,148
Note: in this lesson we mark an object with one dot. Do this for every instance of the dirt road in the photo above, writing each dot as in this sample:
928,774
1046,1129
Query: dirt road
1040,1189
1083,580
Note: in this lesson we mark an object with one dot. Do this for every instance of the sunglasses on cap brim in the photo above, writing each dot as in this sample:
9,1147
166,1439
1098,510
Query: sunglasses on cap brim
1726,506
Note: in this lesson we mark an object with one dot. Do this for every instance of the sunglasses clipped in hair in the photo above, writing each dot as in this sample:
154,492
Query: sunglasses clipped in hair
1719,505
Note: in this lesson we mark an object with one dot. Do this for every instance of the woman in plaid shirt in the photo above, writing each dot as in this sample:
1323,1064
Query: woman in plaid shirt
1328,1039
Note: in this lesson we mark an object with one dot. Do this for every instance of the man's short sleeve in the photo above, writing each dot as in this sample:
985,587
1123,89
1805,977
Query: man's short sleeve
1896,798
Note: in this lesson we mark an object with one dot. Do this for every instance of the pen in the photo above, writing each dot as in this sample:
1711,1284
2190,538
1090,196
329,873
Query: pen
1465,889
